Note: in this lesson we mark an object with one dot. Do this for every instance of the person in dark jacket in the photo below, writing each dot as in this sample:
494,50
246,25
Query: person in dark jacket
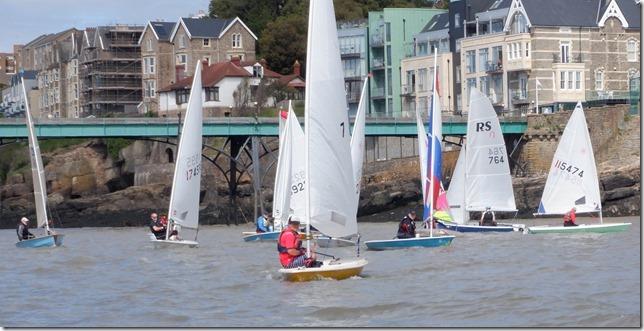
488,218
407,226
570,218
23,230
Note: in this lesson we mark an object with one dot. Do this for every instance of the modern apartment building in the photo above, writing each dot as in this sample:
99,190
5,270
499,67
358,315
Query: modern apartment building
110,70
566,51
390,30
352,38
211,39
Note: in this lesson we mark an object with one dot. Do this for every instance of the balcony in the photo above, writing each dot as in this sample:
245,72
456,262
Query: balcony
377,64
378,93
556,58
353,97
519,97
407,90
349,52
494,67
377,40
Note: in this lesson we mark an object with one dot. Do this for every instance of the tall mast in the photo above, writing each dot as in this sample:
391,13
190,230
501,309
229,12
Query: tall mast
307,118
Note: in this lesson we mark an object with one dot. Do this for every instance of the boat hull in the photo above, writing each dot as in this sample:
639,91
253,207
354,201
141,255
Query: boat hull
331,269
582,228
45,241
379,245
265,236
174,243
479,228
329,242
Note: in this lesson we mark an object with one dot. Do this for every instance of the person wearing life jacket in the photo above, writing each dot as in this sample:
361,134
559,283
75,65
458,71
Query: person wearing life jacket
289,246
23,230
570,217
488,218
407,226
263,223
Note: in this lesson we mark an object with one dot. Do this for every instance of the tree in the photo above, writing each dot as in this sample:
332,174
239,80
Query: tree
242,98
284,41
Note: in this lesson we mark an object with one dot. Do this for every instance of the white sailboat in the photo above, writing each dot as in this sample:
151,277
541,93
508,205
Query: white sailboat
330,203
183,211
50,239
573,181
482,178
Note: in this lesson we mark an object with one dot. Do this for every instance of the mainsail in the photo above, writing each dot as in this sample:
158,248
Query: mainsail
487,171
186,184
357,140
572,181
330,204
37,168
456,190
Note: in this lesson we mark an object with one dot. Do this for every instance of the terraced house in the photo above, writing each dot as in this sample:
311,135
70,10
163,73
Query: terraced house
551,54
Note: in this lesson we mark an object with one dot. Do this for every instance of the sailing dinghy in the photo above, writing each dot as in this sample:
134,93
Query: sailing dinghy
481,178
573,181
330,200
429,154
50,239
183,211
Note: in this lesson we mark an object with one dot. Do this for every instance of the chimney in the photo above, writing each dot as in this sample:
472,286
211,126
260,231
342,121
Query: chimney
236,61
204,63
296,69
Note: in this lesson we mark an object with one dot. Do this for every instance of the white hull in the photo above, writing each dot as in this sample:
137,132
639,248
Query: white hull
174,243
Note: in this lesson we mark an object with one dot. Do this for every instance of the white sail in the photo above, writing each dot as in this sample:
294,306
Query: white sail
422,148
288,198
456,191
330,204
572,181
487,171
186,184
37,168
358,140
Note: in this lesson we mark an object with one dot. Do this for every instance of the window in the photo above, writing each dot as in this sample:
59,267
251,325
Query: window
148,65
577,80
182,41
564,51
258,71
206,42
599,79
470,60
75,90
182,96
527,49
483,58
570,78
150,45
520,24
457,20
510,57
562,81
182,59
150,88
631,50
517,50
388,63
237,40
212,93
389,85
388,31
497,25
458,74
483,84
411,81
471,83
422,79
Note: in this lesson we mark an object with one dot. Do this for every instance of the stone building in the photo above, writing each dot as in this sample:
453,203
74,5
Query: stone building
7,68
110,70
157,53
211,39
567,51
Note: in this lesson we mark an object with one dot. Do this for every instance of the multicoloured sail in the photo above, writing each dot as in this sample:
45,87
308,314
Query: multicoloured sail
433,175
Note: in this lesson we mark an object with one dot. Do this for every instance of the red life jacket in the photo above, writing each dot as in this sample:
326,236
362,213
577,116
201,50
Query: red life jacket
283,249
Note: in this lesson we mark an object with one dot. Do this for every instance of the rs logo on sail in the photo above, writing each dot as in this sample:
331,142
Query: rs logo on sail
483,126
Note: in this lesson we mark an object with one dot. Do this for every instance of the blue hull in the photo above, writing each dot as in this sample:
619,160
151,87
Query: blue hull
379,245
473,228
46,241
266,236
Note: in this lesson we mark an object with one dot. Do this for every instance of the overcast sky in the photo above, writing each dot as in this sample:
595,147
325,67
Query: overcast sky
23,20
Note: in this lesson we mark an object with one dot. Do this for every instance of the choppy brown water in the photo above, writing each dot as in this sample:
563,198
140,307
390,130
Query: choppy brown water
114,277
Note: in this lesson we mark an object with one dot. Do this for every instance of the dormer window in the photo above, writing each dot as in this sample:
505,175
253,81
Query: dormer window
258,71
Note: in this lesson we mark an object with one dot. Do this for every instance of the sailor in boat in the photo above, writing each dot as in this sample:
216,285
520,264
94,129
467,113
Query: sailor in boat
570,217
51,232
407,226
289,246
23,230
157,228
488,218
263,223
174,234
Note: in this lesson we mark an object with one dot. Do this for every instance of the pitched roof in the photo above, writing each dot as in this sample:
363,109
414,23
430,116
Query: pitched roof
498,4
631,11
287,79
163,29
210,76
438,22
205,27
562,13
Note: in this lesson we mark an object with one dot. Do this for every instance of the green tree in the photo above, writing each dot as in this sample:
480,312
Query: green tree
284,41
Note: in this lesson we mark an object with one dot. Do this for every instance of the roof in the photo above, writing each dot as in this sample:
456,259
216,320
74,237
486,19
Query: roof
287,79
631,12
267,72
562,13
438,22
498,4
210,76
163,30
207,27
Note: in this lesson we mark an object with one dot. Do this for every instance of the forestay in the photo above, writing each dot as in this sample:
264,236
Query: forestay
186,184
572,181
487,171
357,140
37,169
456,191
330,178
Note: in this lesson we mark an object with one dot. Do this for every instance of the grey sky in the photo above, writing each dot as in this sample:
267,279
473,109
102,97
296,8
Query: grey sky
23,20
